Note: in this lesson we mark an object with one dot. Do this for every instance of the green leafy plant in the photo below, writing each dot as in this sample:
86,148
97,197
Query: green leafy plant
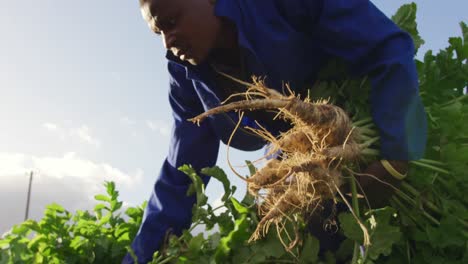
61,237
432,196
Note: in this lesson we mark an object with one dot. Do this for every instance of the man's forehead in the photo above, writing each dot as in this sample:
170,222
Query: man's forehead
155,7
150,9
149,6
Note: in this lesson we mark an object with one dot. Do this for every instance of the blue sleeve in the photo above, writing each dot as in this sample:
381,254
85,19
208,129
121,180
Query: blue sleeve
370,43
169,207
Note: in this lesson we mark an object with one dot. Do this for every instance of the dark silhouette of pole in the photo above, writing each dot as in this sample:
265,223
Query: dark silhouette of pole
29,196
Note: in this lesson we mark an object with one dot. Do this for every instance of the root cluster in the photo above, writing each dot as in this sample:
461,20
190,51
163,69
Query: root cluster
313,154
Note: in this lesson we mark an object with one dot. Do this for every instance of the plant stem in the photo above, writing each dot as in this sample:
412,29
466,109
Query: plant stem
167,260
427,203
280,261
411,201
433,162
409,188
369,142
444,183
405,197
194,225
370,152
458,99
365,138
368,131
217,208
367,126
355,204
408,252
431,167
397,204
362,121
424,213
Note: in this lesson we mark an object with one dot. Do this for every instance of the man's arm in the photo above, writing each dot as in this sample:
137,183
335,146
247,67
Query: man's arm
169,207
371,44
356,31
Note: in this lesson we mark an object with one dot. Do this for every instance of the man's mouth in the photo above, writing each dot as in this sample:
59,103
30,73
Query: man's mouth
182,54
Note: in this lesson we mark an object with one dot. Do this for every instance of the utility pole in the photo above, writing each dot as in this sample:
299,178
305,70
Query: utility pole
29,197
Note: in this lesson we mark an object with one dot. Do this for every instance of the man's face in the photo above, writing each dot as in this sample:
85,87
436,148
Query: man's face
188,28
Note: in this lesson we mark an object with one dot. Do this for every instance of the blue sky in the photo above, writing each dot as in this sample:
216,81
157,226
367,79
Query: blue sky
83,99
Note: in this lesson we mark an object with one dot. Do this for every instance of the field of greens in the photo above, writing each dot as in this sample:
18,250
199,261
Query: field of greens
426,220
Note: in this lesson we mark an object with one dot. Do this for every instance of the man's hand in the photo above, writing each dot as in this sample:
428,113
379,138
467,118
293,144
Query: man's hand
377,192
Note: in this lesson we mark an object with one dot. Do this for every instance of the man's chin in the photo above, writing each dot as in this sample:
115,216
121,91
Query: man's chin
193,62
196,60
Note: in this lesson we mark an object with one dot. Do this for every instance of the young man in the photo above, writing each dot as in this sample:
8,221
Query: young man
286,41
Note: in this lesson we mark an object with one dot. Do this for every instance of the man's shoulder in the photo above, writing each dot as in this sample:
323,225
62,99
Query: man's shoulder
295,13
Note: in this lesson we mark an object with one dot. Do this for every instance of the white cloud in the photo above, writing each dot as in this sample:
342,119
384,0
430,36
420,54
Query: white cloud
56,129
71,181
84,133
127,121
50,126
160,126
67,167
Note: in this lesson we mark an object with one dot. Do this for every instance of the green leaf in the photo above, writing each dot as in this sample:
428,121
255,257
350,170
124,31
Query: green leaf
78,242
239,207
56,207
447,235
246,255
383,234
457,44
99,207
405,18
134,212
104,220
20,230
115,205
217,173
4,243
213,240
121,229
197,187
464,48
269,247
225,222
35,241
102,197
345,250
195,245
110,188
236,237
132,254
252,169
310,250
31,224
350,227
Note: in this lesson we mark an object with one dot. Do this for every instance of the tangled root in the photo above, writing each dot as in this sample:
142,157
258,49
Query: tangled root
297,184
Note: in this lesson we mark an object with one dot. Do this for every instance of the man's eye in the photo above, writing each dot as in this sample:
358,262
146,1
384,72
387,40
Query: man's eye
167,24
171,22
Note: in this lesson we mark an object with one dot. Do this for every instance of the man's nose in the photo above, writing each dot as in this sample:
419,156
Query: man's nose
169,40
